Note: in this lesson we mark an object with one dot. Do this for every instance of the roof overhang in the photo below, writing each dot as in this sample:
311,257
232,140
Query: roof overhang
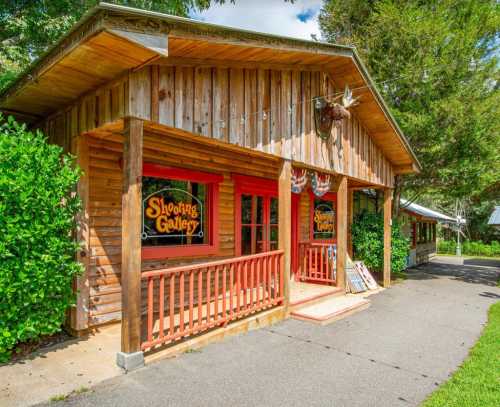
110,40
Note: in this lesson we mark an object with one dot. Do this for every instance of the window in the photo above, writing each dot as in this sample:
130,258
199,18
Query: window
179,212
256,215
324,217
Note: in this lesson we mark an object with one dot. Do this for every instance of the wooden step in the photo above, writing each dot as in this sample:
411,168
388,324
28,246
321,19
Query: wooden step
330,309
303,295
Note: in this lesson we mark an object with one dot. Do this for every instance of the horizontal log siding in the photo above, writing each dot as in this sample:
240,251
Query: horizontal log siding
105,188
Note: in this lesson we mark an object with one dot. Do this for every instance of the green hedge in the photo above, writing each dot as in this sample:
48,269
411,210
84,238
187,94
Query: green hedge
368,242
37,250
470,248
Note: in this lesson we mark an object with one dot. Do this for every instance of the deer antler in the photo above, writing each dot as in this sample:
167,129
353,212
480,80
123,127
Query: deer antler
347,100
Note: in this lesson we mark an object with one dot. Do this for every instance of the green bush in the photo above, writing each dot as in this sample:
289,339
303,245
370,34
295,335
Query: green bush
470,248
37,251
368,242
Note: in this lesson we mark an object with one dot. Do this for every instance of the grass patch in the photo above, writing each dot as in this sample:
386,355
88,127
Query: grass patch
58,397
477,381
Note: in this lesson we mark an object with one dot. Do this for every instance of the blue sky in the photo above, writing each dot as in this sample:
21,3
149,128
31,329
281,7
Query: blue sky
299,19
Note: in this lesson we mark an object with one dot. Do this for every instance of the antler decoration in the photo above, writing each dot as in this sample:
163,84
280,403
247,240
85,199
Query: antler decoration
326,113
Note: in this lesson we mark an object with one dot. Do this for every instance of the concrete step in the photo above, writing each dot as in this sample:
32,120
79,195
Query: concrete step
330,309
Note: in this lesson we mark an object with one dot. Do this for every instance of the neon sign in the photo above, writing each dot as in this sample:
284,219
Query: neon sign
324,219
172,212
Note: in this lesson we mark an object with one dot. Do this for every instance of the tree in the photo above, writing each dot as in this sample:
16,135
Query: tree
436,63
29,27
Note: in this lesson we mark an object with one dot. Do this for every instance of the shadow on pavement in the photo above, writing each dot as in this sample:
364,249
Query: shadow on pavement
474,271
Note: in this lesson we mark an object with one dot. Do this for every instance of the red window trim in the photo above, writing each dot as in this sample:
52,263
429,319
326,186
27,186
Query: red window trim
182,174
244,184
329,196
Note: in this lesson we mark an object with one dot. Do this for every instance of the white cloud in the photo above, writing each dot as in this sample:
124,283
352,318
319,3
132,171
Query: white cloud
268,16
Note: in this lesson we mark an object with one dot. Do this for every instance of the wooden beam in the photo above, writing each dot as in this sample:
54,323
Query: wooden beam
387,236
225,63
284,223
80,313
131,235
342,225
406,169
350,213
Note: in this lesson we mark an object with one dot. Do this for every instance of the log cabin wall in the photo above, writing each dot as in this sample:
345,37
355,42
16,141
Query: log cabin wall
227,104
105,190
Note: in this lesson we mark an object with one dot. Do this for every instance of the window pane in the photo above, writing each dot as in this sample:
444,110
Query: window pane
246,240
174,212
323,219
274,238
259,237
246,209
259,207
274,210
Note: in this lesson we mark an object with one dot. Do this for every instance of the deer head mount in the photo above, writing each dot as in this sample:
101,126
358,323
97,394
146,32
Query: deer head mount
328,113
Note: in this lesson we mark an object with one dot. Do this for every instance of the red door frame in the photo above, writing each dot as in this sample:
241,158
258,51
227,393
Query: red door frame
266,188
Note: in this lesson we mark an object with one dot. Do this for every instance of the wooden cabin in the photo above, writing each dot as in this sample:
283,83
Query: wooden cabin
419,224
190,136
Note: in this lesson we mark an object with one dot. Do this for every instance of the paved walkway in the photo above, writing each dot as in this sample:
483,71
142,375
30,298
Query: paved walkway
393,354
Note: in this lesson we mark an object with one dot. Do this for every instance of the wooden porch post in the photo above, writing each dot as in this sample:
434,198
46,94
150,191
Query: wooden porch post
387,236
342,232
131,356
284,223
80,313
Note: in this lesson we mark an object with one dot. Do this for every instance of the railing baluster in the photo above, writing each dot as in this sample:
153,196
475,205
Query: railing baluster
224,292
200,298
150,308
231,290
270,276
191,298
321,261
257,300
238,286
181,303
209,286
161,311
245,285
172,305
216,294
264,282
277,288
252,281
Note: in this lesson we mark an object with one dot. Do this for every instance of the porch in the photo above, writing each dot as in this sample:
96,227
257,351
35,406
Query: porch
166,303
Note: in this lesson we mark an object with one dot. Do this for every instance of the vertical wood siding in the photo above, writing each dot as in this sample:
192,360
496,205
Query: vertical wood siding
265,110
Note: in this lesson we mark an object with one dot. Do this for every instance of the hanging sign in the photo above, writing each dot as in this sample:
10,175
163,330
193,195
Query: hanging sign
324,219
172,212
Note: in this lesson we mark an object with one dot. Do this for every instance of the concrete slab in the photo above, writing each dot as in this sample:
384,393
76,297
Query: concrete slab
61,369
409,341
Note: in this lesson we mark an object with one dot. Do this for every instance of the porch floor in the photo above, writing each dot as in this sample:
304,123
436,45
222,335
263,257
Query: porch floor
301,293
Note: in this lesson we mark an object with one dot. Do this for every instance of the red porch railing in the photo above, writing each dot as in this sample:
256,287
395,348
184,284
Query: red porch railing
317,263
186,300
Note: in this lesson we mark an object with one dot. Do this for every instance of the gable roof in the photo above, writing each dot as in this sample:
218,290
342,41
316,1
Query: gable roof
426,212
109,40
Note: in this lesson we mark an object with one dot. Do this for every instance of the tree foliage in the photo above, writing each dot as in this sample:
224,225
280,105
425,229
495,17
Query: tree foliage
37,217
29,27
368,241
436,63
